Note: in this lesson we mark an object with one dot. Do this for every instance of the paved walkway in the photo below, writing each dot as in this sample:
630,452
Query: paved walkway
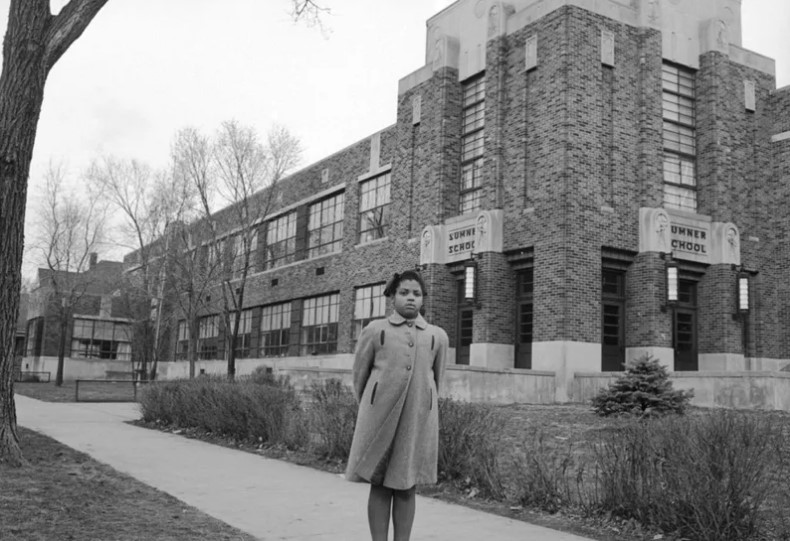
270,499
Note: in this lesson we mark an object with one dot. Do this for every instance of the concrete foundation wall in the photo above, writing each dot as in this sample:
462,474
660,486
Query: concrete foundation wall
749,390
78,368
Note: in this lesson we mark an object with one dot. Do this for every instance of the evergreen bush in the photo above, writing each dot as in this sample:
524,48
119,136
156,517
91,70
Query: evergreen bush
644,391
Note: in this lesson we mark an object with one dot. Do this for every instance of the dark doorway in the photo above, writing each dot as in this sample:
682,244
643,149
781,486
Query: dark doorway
684,327
612,320
524,313
464,329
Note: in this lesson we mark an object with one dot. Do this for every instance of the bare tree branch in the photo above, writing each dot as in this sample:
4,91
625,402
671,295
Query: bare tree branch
67,26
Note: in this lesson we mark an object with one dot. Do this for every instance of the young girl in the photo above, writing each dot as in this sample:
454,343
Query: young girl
398,368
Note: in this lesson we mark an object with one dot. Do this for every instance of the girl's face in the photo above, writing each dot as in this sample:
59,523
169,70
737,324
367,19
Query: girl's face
408,299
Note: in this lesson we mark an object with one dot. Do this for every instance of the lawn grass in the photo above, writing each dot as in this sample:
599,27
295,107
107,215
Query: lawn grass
94,391
65,495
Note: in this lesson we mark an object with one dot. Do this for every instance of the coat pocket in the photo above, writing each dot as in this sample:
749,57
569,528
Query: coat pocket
373,392
430,400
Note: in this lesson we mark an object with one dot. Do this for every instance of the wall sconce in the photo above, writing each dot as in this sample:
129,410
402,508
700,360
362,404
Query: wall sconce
671,274
470,281
743,292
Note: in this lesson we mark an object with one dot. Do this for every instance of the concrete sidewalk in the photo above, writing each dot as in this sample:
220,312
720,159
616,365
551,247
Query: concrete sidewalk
267,498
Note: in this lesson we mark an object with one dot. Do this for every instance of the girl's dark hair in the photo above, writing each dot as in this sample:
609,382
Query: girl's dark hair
392,285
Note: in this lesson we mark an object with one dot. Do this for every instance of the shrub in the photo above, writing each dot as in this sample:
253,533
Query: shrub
541,474
644,390
469,438
243,410
333,415
705,477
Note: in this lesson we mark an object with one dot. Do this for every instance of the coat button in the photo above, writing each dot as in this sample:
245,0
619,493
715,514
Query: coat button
409,323
411,344
408,367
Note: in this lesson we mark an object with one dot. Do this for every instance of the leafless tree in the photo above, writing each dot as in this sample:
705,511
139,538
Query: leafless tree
149,203
194,264
35,39
71,229
247,173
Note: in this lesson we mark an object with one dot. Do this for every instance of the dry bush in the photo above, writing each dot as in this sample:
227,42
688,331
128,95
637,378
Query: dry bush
333,415
242,409
470,437
705,477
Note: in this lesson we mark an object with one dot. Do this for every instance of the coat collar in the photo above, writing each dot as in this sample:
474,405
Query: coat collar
397,319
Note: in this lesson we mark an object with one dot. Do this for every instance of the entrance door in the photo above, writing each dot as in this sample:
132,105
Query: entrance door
612,343
685,327
524,312
464,328
612,321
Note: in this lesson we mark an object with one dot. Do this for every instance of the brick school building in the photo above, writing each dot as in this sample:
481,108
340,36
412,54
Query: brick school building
581,182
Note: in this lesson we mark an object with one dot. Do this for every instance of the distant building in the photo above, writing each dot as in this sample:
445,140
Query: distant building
98,325
612,177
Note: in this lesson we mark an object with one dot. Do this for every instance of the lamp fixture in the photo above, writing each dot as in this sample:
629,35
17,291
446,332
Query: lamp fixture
470,279
671,278
743,292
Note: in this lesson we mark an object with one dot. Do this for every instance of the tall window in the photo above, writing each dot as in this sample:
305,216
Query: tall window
182,345
472,143
97,339
275,330
239,253
680,146
34,327
369,304
214,253
281,241
244,338
208,331
319,325
525,287
325,227
374,208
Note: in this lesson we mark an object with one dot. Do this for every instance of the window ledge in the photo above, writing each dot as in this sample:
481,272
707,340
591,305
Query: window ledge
371,242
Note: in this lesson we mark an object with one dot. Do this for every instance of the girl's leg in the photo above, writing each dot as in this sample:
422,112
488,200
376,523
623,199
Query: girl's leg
379,503
403,504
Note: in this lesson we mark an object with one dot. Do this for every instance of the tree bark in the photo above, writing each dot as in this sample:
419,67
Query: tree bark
34,41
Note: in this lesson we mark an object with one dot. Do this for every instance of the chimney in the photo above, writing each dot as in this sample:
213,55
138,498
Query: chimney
93,258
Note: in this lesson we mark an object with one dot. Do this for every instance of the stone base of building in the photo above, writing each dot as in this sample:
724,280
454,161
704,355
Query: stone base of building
565,358
665,356
494,356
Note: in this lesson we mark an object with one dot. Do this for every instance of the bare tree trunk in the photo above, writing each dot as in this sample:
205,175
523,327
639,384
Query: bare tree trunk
64,325
21,95
33,42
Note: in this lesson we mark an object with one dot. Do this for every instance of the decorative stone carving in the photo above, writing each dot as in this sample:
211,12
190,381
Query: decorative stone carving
416,109
531,53
722,35
749,99
654,230
726,244
493,21
488,231
431,245
437,58
607,48
481,231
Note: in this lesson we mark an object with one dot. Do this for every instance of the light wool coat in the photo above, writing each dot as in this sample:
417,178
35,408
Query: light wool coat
398,368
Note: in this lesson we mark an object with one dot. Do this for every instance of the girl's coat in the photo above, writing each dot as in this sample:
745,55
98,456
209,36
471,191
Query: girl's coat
397,370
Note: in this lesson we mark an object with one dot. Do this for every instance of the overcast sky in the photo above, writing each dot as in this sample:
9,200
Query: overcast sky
146,68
